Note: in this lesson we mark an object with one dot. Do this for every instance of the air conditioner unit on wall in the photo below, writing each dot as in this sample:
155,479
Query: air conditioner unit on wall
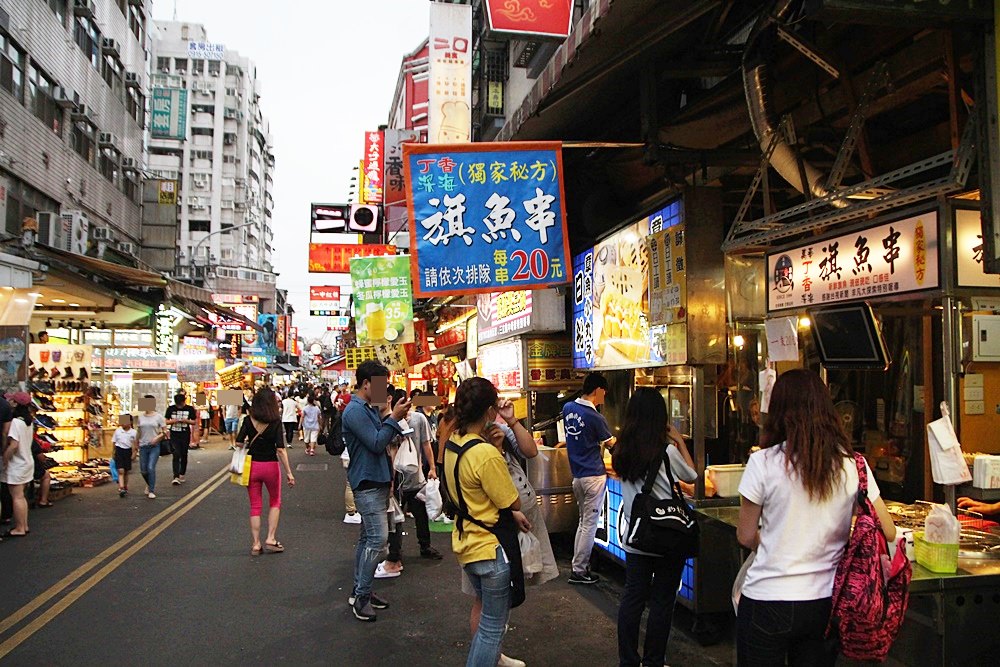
107,139
110,47
79,231
128,248
63,98
132,80
102,233
83,8
50,229
128,163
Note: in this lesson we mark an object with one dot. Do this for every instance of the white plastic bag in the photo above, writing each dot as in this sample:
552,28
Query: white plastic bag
407,461
431,496
941,527
741,578
531,553
395,512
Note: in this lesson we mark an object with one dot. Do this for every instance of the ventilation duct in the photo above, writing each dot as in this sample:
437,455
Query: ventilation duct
756,83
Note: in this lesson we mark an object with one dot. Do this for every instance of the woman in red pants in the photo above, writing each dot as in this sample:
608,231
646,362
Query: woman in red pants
266,447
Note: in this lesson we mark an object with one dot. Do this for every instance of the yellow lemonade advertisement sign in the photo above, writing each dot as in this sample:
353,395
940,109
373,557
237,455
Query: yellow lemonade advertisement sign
383,298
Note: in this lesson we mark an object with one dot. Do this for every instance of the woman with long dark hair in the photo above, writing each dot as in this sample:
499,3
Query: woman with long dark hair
800,490
647,440
266,447
484,485
18,463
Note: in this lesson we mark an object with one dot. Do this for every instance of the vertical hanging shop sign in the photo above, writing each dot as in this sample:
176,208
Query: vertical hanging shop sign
164,337
450,86
667,276
373,167
168,113
293,341
383,298
281,334
487,217
394,189
167,193
418,351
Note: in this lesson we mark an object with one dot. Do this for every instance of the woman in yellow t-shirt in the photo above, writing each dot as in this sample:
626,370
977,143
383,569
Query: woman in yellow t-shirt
483,492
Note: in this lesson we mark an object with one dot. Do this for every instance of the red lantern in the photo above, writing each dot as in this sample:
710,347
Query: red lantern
445,368
428,372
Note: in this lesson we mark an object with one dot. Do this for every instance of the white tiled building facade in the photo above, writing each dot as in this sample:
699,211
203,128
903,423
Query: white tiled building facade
73,83
223,165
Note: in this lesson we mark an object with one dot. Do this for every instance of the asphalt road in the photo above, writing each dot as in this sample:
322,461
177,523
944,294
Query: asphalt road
170,581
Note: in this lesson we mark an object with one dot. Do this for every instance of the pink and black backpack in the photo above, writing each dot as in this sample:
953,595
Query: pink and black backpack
868,604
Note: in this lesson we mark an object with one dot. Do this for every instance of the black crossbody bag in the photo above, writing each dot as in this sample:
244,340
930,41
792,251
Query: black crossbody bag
662,526
505,529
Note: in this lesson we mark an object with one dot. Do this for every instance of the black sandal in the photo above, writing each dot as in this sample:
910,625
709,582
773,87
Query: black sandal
275,548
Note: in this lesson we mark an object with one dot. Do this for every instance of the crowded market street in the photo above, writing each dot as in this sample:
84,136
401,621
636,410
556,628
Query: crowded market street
168,581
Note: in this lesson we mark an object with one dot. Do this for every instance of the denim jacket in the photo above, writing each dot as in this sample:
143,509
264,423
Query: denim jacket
367,437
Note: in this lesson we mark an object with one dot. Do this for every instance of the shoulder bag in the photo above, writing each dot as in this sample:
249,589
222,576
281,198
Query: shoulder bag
506,529
869,602
662,526
239,466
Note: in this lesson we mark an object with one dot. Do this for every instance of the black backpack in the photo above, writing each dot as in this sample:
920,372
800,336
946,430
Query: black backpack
333,436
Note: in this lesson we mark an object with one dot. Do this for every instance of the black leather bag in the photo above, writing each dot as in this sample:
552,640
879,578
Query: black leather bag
662,526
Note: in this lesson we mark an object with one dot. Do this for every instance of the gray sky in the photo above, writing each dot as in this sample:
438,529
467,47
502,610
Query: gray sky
328,71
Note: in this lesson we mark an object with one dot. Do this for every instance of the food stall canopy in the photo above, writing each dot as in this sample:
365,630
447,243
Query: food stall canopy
118,273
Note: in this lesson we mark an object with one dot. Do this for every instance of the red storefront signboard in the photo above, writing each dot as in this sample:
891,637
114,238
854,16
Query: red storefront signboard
336,257
537,18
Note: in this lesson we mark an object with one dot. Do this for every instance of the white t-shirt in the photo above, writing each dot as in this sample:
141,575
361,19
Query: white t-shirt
681,471
801,539
124,439
232,412
289,410
21,468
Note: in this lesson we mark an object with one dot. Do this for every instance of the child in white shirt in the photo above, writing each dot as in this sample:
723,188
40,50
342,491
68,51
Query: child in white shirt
126,449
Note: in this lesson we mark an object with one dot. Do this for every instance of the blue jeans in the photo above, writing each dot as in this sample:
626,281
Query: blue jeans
231,424
373,504
491,579
149,455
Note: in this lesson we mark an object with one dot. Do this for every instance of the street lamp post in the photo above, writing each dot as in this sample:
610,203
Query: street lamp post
197,247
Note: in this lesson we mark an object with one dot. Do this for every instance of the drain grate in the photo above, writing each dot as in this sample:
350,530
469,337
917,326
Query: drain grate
311,467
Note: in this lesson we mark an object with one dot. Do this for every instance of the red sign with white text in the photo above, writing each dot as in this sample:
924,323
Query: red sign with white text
373,167
324,300
538,18
336,257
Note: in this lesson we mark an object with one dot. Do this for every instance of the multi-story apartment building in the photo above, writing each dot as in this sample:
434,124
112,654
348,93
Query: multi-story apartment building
221,157
73,88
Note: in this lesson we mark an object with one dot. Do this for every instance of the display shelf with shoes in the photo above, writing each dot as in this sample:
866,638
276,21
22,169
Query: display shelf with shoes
60,420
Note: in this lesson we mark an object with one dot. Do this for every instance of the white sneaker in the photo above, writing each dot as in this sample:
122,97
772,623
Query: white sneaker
150,495
352,518
445,519
382,573
506,661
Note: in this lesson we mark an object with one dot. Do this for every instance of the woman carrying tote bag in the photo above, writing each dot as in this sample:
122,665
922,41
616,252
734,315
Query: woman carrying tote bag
266,448
647,440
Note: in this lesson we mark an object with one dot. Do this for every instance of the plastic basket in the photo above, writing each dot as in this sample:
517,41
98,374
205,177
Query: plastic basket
935,557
